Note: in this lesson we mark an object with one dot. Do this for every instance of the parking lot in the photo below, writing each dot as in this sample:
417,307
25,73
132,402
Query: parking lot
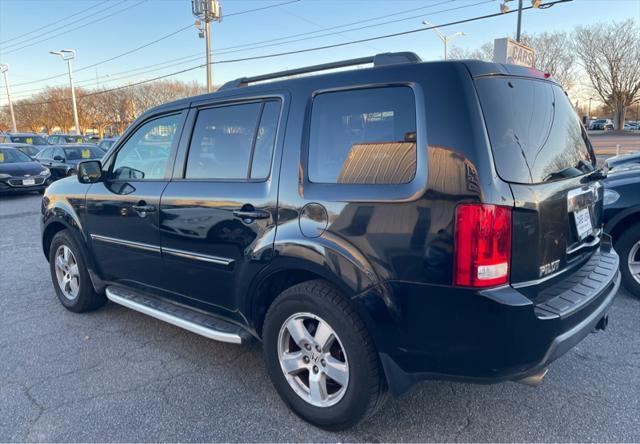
117,375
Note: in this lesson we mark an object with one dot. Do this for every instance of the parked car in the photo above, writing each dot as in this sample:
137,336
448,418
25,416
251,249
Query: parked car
632,126
107,142
29,150
61,139
63,160
91,138
622,160
622,221
29,138
373,227
601,124
19,173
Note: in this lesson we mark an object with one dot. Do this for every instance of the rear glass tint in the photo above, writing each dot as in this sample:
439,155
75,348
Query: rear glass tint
365,136
534,131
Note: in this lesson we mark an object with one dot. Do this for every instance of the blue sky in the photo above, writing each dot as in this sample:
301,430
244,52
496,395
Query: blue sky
122,25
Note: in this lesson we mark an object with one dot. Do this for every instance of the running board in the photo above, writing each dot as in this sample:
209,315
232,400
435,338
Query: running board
194,321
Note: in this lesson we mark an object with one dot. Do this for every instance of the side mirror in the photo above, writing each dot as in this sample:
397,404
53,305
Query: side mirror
58,158
90,171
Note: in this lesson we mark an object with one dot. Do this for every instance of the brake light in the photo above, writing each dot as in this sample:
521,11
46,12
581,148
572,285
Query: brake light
482,250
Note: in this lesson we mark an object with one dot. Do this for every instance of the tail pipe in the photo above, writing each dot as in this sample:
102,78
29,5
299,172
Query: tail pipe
602,323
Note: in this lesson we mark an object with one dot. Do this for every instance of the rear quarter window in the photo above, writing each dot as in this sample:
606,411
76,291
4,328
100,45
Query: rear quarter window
535,134
363,136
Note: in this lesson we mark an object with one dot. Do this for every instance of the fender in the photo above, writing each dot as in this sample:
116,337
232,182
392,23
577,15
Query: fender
332,258
65,208
615,220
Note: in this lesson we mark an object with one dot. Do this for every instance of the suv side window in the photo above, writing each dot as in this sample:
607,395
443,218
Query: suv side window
233,141
145,155
363,136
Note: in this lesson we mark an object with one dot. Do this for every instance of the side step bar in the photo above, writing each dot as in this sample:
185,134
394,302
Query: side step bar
194,321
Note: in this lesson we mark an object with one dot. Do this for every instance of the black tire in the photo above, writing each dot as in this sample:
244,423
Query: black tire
86,299
366,389
624,246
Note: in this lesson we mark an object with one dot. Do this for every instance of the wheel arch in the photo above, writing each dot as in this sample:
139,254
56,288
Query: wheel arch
623,220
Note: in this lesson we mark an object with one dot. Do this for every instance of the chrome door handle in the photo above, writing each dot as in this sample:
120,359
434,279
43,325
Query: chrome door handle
143,209
255,214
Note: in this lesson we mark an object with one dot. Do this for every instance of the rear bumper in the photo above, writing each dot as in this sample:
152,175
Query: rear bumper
485,336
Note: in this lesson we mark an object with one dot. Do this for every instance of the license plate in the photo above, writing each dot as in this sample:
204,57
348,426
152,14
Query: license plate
583,222
28,181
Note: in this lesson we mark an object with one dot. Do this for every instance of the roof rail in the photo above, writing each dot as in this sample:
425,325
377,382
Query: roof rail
387,58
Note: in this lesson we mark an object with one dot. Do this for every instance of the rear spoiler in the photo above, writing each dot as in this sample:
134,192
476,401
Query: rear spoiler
479,68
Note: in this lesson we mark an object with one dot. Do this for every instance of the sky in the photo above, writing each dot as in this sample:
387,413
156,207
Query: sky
102,29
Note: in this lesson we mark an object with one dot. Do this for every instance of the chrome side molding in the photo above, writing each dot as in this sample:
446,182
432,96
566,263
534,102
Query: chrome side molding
197,256
126,243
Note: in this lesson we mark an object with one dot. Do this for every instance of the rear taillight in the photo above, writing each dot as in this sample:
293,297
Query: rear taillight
482,245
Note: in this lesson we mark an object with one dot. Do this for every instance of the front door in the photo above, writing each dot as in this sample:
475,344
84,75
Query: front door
218,217
122,212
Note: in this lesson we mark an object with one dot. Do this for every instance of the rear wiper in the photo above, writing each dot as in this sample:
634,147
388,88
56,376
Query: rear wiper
563,174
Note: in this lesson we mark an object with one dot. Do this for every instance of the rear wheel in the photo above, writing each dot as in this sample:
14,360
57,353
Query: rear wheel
320,356
628,247
70,275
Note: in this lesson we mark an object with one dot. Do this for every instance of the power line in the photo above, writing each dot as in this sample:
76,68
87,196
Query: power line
12,50
159,39
53,23
317,48
230,49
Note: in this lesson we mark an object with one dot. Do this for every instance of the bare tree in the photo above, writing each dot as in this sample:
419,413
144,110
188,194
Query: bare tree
610,54
485,53
555,55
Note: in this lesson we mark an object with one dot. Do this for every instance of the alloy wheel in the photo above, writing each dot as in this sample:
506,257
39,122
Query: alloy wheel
67,272
633,261
313,359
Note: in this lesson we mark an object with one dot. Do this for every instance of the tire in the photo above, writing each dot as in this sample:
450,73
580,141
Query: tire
346,404
84,298
627,245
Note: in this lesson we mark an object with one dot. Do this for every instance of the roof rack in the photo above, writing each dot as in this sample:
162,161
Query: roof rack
387,58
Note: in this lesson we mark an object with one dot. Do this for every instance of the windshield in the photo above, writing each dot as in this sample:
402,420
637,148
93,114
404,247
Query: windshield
13,156
535,134
32,140
73,139
83,152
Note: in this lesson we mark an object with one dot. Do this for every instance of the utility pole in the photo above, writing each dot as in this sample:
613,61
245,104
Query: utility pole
445,38
207,10
504,9
68,55
519,21
4,68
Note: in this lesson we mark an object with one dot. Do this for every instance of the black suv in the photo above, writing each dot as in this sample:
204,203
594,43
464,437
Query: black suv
372,227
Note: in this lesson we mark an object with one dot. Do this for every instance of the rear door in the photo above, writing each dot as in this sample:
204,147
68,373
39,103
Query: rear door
218,214
122,211
541,149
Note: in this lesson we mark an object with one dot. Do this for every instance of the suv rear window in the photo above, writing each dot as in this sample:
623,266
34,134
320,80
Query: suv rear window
364,136
535,134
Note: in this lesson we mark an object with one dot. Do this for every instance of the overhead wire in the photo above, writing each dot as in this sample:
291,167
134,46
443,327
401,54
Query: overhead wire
317,48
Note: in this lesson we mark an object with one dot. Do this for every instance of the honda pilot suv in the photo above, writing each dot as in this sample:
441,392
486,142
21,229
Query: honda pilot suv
372,227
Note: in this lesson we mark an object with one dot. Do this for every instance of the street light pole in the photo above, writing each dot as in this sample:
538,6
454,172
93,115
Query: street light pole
68,55
4,68
445,38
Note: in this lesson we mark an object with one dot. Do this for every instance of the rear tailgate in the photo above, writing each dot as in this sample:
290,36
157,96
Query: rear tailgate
541,149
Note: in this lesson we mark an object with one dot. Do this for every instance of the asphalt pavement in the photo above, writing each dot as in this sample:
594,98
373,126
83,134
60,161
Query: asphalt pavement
117,375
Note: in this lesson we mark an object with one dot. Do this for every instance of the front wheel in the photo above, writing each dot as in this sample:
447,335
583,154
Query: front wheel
70,275
628,247
321,358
